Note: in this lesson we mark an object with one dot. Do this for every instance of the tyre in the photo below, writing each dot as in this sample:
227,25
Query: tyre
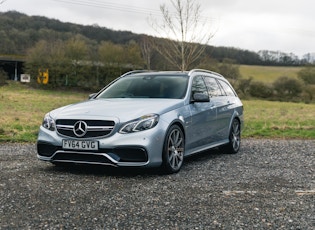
234,138
173,150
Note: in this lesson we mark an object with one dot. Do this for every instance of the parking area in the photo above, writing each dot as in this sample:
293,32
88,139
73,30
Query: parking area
269,184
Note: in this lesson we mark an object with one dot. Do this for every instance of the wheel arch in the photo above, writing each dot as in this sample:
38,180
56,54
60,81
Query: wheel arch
236,116
180,124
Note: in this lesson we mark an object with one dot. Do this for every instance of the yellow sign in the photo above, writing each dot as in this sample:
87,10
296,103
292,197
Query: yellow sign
43,77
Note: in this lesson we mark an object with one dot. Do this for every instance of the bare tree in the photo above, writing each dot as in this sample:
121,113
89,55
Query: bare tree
185,31
2,1
146,50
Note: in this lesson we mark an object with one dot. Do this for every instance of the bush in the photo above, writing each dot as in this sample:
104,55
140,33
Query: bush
229,69
286,87
3,77
308,93
307,74
243,86
260,90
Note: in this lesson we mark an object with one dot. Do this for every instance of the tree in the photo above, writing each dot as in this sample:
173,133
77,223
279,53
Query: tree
185,32
76,54
146,50
111,54
133,55
48,55
76,48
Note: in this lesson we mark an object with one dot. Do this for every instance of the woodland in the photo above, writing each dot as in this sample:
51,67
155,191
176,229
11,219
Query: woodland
89,57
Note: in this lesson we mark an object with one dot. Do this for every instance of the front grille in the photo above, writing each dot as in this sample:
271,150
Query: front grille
94,128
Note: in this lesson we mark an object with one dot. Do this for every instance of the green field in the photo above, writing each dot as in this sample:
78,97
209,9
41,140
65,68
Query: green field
279,119
268,74
23,108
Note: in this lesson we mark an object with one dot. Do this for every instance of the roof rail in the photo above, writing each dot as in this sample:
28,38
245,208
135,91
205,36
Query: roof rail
135,71
205,71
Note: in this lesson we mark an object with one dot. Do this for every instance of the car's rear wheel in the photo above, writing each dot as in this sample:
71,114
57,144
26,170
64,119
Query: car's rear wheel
234,138
173,150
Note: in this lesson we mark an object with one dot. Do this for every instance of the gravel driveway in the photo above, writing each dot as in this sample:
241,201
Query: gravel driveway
269,184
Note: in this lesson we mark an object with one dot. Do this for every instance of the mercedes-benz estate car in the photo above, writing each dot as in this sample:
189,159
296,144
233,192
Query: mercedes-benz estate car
145,119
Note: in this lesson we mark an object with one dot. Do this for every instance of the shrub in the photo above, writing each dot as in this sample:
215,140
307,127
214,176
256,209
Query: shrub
287,87
229,69
260,90
3,77
307,74
308,93
243,86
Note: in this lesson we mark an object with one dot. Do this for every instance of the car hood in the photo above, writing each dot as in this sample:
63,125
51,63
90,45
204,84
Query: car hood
121,109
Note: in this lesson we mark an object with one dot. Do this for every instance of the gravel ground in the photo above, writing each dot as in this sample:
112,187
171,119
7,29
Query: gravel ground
269,184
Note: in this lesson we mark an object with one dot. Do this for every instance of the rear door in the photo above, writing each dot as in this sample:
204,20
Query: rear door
217,98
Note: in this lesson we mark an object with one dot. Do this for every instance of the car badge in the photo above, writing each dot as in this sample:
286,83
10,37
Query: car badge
80,128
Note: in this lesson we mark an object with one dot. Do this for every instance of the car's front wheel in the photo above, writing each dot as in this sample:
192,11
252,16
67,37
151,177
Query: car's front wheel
173,150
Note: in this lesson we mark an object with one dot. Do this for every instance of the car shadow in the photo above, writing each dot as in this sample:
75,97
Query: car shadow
99,170
203,157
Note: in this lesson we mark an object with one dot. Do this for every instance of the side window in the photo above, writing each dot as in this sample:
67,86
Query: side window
227,89
198,86
213,87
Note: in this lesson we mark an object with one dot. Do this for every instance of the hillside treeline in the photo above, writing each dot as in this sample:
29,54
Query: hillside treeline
20,32
91,56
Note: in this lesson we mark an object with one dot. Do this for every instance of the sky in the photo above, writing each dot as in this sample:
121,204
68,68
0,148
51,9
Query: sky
278,25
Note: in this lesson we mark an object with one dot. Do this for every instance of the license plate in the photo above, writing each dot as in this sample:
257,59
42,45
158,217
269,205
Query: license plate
80,145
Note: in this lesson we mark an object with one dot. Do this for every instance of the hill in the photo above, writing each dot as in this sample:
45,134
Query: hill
19,32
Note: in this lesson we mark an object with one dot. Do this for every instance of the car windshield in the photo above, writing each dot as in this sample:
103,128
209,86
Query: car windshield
149,86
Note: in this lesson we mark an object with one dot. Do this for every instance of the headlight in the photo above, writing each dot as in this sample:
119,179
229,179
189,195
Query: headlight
143,123
49,123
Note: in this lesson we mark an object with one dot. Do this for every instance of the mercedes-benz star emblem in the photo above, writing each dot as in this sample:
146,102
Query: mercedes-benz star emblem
80,128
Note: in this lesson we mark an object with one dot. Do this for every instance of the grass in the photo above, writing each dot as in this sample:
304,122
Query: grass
279,119
23,108
268,74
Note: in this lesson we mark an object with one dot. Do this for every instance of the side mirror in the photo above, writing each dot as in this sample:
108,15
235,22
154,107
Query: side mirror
200,97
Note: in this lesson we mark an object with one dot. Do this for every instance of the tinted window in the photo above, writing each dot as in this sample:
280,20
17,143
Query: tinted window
160,86
227,89
213,87
198,86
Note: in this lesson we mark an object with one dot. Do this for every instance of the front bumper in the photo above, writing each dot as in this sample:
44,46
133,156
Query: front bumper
143,149
120,156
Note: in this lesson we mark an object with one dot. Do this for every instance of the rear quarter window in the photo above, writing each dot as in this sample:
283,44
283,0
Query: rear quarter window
227,89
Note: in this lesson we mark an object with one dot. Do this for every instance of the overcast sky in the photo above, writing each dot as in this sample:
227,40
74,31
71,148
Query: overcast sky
278,25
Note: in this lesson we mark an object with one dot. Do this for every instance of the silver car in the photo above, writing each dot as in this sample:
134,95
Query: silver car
145,119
